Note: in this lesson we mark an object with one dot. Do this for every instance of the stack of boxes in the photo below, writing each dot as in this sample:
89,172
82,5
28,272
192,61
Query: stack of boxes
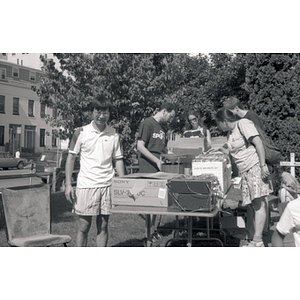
193,190
166,190
216,164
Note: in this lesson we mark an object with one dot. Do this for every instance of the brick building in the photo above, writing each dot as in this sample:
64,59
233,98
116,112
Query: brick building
22,116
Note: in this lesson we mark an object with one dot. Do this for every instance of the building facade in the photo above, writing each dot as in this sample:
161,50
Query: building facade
22,116
31,60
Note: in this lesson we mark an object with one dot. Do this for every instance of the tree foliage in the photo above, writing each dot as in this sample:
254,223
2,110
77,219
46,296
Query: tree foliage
273,81
136,83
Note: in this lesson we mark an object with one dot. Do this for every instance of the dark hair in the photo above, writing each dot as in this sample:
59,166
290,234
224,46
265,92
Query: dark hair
232,102
224,114
169,106
197,115
100,102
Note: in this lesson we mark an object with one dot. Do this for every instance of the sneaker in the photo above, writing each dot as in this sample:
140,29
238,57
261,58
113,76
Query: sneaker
254,244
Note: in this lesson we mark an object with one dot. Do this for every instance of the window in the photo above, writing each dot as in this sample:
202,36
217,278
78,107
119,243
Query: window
54,137
32,76
2,104
2,74
43,110
42,137
13,54
54,113
29,136
30,108
1,135
16,72
16,106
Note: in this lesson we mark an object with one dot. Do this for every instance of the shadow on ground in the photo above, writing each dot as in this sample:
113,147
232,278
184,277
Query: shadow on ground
131,243
61,209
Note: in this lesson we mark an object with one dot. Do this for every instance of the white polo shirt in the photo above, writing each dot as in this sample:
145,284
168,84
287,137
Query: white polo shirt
96,149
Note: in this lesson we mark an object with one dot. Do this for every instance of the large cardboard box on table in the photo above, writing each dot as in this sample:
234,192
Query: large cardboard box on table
177,163
142,189
215,164
186,146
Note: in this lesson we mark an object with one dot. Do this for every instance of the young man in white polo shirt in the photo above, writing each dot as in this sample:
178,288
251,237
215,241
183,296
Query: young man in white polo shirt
98,145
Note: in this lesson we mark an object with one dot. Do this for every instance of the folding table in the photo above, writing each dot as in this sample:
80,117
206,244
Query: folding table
148,210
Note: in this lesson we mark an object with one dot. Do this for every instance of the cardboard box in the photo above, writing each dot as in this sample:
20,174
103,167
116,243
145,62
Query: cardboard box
186,143
233,222
194,193
142,189
216,165
198,185
177,163
173,168
195,202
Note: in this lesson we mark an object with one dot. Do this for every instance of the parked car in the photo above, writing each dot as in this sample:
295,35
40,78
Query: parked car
8,161
51,164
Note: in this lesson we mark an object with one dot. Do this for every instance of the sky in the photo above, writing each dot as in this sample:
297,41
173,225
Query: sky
156,26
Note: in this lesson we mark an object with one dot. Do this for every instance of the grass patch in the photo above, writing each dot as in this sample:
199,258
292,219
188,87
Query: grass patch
125,230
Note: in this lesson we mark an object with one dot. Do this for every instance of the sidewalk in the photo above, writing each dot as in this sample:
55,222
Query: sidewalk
10,174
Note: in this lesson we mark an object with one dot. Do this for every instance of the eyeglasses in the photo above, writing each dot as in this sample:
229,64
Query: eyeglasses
104,113
193,119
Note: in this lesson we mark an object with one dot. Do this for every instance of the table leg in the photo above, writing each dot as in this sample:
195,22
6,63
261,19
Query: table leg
148,229
208,227
190,231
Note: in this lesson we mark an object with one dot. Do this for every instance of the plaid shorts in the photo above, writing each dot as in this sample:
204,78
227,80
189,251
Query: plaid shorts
93,201
252,185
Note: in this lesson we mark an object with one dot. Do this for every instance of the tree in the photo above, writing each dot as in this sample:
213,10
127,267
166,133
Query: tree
135,83
208,79
273,82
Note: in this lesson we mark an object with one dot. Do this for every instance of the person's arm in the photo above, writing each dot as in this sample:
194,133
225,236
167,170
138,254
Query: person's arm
208,138
256,141
277,239
143,150
69,192
120,167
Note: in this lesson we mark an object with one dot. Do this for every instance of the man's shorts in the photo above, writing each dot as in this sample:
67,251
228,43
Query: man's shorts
93,201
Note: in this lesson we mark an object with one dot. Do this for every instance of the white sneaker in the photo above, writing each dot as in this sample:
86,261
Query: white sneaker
254,244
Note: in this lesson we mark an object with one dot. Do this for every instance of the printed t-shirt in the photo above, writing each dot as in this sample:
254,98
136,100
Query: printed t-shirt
96,149
290,220
154,136
244,155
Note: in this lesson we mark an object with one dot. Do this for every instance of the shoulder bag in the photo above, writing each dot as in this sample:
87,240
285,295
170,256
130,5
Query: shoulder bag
272,153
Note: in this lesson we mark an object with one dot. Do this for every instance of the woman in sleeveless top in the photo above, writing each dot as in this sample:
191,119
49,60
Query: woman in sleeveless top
196,128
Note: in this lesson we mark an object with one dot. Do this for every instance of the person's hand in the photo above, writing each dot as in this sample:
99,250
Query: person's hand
265,174
159,164
224,150
70,193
